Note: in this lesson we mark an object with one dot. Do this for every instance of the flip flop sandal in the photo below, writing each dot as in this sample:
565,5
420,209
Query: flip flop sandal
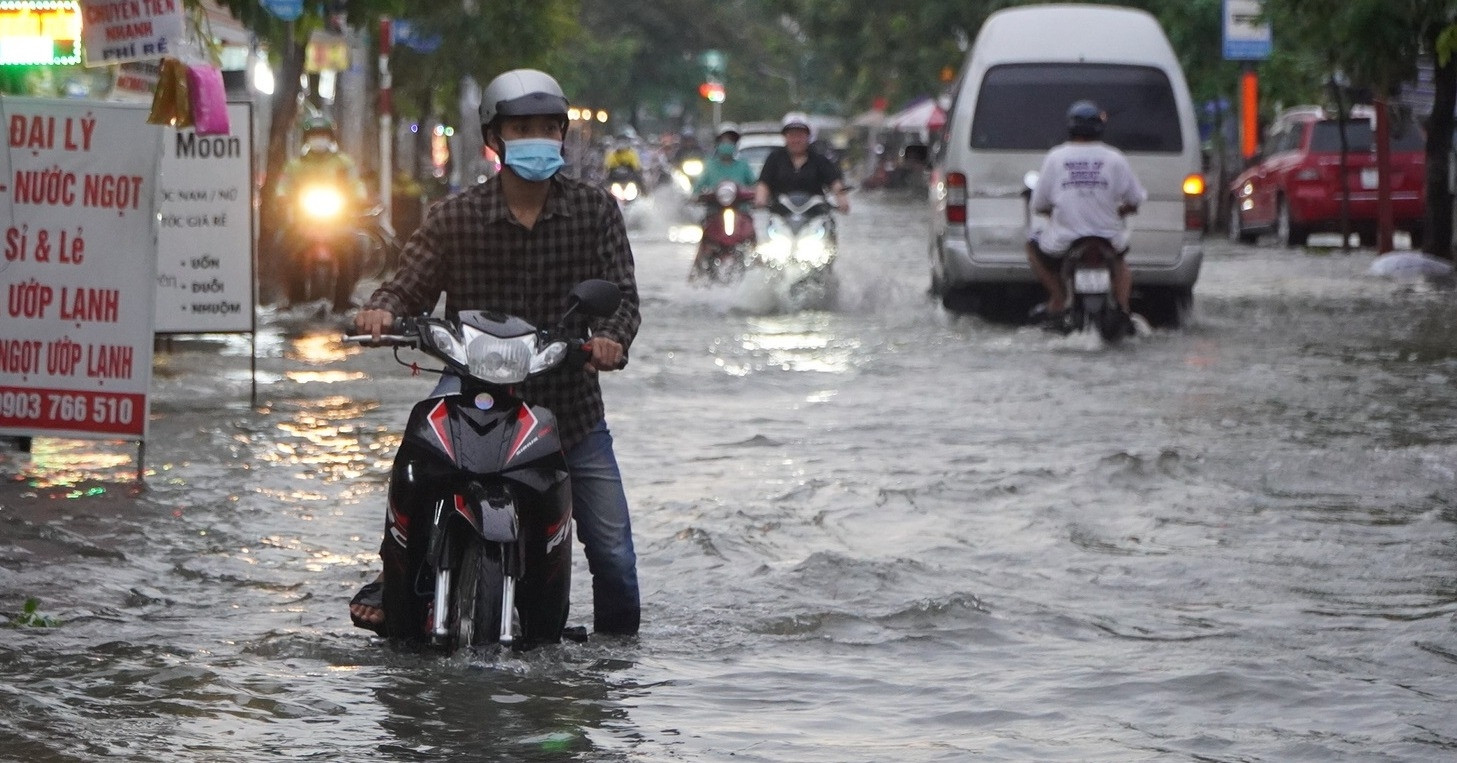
371,595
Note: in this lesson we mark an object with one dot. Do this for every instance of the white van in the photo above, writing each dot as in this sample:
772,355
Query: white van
1027,66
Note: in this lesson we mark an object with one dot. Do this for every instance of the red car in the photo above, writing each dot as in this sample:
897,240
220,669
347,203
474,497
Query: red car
1295,188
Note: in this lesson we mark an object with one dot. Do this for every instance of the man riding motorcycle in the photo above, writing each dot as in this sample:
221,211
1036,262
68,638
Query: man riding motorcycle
798,168
1088,187
321,164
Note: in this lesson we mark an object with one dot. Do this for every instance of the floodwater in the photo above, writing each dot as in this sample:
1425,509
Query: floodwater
871,533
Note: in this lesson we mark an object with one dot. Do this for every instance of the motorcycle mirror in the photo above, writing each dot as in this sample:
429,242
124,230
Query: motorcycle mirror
596,297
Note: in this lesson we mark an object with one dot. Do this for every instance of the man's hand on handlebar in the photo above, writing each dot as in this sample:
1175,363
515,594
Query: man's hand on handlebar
373,322
606,354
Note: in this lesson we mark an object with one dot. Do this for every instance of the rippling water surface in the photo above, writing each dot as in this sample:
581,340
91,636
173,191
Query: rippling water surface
871,533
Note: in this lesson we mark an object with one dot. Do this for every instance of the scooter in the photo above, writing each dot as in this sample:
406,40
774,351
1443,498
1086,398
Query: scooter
478,527
333,244
728,235
799,249
1087,279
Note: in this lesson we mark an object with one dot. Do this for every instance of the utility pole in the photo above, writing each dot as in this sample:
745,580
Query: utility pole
386,123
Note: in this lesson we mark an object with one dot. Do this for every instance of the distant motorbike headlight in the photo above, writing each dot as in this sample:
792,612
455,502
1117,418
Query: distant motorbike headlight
726,194
624,191
775,250
814,252
693,167
500,361
321,202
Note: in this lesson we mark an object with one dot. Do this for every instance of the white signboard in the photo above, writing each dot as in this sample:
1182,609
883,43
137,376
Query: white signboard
1244,39
113,31
77,189
205,238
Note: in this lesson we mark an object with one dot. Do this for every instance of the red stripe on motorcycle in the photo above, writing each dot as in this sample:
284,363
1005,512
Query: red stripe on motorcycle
525,424
439,418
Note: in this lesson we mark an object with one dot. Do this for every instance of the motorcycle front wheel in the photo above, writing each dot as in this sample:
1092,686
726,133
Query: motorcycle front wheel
479,586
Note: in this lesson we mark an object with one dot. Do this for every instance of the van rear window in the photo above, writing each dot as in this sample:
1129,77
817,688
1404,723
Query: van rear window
1023,107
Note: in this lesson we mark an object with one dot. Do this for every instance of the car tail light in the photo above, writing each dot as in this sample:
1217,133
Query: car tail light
955,197
1194,202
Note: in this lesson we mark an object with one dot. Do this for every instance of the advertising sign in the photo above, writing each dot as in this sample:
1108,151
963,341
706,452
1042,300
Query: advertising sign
205,233
113,31
77,183
44,32
1244,38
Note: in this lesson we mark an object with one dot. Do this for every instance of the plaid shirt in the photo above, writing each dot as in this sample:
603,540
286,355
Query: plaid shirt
474,250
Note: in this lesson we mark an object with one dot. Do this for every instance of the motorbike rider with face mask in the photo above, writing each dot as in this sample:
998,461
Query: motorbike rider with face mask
1088,187
517,243
724,165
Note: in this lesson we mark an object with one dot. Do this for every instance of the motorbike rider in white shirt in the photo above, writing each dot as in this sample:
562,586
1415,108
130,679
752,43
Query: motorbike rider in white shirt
1087,187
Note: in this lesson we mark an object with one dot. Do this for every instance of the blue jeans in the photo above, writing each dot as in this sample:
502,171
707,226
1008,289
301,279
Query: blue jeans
599,505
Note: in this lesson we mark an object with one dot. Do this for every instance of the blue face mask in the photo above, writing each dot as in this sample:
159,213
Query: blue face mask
534,159
725,150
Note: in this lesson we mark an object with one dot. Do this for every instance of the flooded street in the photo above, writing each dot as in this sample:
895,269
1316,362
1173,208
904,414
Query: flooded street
873,533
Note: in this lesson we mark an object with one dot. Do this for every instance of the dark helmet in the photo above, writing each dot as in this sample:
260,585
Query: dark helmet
1085,120
522,93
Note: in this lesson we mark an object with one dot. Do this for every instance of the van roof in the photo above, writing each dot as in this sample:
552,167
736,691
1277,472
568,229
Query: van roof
1068,32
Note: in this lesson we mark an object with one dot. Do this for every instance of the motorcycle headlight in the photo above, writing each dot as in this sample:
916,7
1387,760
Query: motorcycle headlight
442,339
775,250
693,167
629,191
726,194
500,361
321,202
814,252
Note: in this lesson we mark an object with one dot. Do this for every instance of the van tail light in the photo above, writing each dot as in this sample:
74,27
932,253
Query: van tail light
955,197
1194,202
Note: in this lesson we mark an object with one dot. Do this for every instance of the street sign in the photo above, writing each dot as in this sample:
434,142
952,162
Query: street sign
285,10
1245,37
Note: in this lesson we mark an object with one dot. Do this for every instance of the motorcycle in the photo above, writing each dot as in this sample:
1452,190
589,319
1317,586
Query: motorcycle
332,244
478,526
799,249
728,234
625,186
1087,278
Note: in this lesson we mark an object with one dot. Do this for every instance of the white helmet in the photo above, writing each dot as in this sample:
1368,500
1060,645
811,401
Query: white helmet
728,128
796,119
522,93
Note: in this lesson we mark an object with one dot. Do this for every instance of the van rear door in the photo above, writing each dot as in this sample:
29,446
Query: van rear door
1020,113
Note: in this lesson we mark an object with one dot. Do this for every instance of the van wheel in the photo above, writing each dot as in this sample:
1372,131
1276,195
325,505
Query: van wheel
1289,233
1237,232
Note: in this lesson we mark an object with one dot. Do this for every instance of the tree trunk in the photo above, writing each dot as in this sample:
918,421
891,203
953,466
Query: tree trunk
1437,229
270,214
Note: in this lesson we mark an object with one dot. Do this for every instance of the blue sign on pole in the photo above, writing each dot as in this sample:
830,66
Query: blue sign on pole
407,34
1244,38
286,10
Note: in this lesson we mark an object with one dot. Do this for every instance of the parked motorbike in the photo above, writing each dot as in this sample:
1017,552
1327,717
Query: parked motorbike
331,244
478,528
1087,280
728,235
799,248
